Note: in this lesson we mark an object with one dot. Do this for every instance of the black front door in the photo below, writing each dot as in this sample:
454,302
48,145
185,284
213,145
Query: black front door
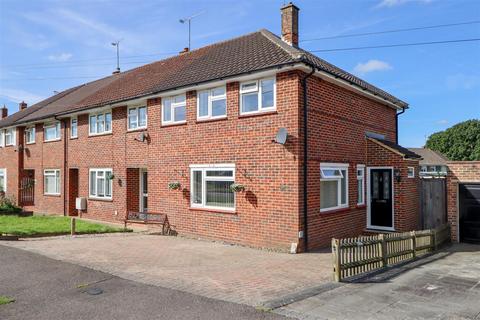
469,204
381,198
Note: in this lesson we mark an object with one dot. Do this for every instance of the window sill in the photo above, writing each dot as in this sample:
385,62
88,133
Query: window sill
53,140
337,210
257,114
52,195
74,138
174,124
29,143
100,199
233,212
137,129
361,206
91,135
211,119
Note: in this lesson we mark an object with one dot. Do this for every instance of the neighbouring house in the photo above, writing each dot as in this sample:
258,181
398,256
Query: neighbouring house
432,164
314,146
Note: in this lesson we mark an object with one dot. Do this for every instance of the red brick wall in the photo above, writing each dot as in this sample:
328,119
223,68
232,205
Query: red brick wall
10,160
458,172
338,120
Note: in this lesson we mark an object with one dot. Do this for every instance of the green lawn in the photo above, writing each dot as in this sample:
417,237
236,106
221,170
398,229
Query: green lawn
6,300
49,225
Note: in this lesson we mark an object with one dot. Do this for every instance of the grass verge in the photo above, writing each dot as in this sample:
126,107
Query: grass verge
49,225
6,300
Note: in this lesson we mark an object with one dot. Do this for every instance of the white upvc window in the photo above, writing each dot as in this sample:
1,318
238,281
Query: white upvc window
360,184
2,138
51,131
333,186
51,182
100,123
10,137
210,186
411,172
137,118
30,135
3,180
101,183
258,96
174,109
212,103
73,128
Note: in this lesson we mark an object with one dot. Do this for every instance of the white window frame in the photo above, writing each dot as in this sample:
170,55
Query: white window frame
13,134
3,172
57,126
107,180
72,120
137,111
210,100
174,105
258,89
56,174
412,173
2,138
361,177
211,167
336,166
28,131
96,115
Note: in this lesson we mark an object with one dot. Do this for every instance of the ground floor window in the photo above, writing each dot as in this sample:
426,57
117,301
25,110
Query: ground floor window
51,182
360,184
101,181
3,180
333,186
210,186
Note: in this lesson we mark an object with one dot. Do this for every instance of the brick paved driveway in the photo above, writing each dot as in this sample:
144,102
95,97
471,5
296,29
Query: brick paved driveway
214,270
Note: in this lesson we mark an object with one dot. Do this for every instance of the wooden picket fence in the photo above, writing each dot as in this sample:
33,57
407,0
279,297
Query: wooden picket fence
356,256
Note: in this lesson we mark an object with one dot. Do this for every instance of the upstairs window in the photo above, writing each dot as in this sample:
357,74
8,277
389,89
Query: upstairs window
174,109
9,137
51,182
101,183
257,96
30,135
51,132
74,128
212,103
210,185
360,184
137,118
333,186
100,123
2,138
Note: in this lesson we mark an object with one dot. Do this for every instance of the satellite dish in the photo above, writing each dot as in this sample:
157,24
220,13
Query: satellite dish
281,136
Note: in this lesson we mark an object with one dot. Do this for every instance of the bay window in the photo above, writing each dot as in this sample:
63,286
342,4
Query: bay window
360,184
101,183
174,109
51,131
51,182
333,186
137,118
257,96
212,103
210,185
100,123
30,135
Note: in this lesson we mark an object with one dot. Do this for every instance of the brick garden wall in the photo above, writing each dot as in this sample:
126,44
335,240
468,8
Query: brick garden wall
458,172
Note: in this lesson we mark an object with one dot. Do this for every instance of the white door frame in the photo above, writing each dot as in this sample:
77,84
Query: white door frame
141,193
369,225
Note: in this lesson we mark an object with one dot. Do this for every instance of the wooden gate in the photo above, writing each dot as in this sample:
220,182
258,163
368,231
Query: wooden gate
433,204
27,190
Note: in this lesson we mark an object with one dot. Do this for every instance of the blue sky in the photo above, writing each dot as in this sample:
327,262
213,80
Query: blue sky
52,45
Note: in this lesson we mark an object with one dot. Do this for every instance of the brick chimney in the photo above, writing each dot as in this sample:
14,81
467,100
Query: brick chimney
290,24
185,50
3,112
22,106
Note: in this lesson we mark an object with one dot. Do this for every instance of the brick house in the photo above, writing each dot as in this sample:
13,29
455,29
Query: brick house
208,118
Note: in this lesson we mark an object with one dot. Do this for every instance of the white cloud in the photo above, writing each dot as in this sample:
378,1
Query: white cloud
18,95
62,57
462,81
442,122
395,3
371,66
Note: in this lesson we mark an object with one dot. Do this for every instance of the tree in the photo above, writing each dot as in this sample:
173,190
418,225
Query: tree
458,143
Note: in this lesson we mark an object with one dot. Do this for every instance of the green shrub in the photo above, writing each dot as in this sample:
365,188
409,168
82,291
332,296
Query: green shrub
8,205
